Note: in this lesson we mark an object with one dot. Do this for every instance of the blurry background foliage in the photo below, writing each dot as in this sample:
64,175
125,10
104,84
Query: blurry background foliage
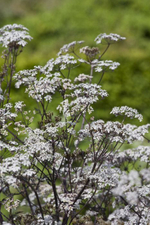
53,23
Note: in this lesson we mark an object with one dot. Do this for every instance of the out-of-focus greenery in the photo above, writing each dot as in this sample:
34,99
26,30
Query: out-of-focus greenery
53,23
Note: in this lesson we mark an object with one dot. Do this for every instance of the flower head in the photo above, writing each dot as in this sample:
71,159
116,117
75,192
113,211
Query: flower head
127,111
109,38
14,35
69,47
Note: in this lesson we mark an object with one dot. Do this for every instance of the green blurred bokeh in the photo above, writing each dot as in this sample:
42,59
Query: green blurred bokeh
53,23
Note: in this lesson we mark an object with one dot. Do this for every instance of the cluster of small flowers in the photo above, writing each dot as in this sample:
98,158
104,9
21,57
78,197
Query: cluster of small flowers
25,77
6,115
68,48
133,187
141,152
11,204
85,95
19,106
67,202
109,38
37,89
82,78
103,65
105,175
114,131
48,220
65,61
90,92
12,35
14,164
1,95
135,196
127,111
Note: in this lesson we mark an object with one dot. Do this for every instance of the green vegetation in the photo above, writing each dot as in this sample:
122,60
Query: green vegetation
53,23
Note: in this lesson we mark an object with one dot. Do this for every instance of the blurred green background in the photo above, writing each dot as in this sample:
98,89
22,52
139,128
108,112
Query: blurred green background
53,23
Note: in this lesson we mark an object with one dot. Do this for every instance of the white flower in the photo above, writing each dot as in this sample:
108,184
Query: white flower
103,65
127,111
109,38
13,35
19,105
82,78
69,47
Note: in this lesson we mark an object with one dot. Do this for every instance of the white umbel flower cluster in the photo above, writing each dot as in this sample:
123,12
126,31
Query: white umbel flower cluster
15,34
127,111
109,38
